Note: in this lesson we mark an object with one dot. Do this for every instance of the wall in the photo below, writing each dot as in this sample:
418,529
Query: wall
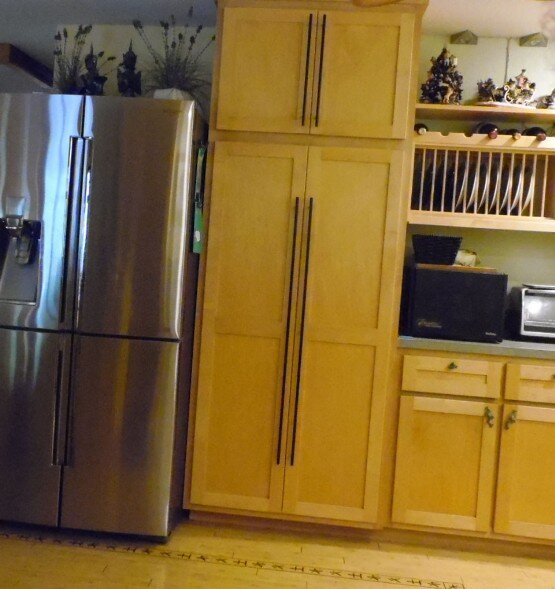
493,57
114,40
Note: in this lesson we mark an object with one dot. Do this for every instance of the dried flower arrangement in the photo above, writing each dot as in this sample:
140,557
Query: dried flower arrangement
73,73
178,65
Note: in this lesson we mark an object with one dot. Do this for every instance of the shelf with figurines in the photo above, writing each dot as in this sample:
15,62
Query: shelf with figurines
488,177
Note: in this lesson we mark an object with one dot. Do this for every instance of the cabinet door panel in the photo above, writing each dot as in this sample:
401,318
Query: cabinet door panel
366,69
527,473
266,70
445,464
344,354
243,386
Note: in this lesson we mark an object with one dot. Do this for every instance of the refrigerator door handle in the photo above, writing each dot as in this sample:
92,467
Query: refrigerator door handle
75,168
59,425
83,224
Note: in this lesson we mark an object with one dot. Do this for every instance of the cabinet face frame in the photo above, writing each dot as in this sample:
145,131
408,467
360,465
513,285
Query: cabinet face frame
505,521
213,324
402,512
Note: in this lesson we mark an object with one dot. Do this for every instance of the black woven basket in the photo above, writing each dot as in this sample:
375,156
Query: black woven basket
435,249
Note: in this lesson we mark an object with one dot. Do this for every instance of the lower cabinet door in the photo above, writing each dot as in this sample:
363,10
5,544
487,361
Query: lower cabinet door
343,333
243,384
525,495
445,463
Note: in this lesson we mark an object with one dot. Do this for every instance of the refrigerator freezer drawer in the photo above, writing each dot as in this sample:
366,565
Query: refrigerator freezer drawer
32,368
121,440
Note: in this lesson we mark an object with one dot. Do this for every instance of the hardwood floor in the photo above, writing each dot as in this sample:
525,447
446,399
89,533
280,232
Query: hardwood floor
202,555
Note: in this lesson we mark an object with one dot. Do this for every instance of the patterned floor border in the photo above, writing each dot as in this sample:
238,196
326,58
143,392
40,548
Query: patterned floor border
161,552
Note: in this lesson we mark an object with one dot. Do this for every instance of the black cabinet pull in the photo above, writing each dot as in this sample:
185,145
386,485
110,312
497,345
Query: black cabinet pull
303,315
317,117
307,66
289,304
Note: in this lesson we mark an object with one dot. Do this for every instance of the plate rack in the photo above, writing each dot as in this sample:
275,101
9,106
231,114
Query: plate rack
483,182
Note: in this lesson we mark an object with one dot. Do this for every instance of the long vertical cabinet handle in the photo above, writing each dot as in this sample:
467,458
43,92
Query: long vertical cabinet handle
307,67
289,305
301,341
320,72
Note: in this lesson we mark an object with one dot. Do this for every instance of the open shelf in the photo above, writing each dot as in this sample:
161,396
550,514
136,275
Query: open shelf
477,221
451,112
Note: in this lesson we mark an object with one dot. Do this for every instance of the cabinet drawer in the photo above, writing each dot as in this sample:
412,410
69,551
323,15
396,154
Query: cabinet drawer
452,376
526,382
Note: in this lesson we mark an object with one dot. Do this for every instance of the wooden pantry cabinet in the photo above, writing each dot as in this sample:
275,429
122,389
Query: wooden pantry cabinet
297,320
447,453
296,328
319,72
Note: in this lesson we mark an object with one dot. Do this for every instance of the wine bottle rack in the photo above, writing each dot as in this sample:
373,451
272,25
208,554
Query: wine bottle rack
478,182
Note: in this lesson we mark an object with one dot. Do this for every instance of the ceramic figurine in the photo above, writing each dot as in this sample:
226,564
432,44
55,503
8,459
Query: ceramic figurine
92,81
516,91
129,81
547,101
444,83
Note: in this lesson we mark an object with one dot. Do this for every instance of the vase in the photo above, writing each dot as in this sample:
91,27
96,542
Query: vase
172,94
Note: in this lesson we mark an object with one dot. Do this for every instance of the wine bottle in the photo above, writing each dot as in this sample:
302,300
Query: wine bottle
489,129
421,129
515,133
536,132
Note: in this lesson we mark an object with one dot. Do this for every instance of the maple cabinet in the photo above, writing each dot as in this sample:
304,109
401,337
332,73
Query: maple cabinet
295,328
323,72
445,463
447,455
525,500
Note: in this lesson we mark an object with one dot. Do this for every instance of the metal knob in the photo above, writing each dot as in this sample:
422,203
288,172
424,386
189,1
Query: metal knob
490,417
452,366
511,419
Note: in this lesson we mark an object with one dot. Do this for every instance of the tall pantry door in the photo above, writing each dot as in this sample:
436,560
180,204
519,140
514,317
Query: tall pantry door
343,332
250,289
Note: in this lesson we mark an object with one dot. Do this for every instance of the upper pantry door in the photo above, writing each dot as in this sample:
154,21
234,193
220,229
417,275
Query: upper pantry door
266,70
363,74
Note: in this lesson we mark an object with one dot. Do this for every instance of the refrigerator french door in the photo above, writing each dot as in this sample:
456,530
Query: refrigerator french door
96,281
40,154
133,256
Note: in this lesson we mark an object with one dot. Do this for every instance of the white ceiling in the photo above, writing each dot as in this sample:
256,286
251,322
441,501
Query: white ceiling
31,24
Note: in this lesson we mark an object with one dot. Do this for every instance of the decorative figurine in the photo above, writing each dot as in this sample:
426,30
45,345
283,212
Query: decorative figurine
547,101
444,83
518,91
129,81
92,81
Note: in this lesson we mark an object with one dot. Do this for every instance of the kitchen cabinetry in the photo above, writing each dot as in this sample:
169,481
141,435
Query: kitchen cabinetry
295,329
447,455
322,72
527,473
445,463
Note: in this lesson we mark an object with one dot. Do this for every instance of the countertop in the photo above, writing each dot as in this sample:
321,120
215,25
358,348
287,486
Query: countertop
518,349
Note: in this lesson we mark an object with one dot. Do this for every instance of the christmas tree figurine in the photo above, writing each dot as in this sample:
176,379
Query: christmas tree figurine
444,83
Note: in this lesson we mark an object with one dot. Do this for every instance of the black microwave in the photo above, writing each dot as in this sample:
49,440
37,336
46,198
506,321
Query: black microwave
453,302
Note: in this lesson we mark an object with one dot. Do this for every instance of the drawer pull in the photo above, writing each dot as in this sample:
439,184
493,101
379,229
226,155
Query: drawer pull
511,419
490,417
452,366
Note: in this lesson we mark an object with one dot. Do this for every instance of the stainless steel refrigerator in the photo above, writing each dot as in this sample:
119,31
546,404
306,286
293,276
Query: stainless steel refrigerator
97,288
